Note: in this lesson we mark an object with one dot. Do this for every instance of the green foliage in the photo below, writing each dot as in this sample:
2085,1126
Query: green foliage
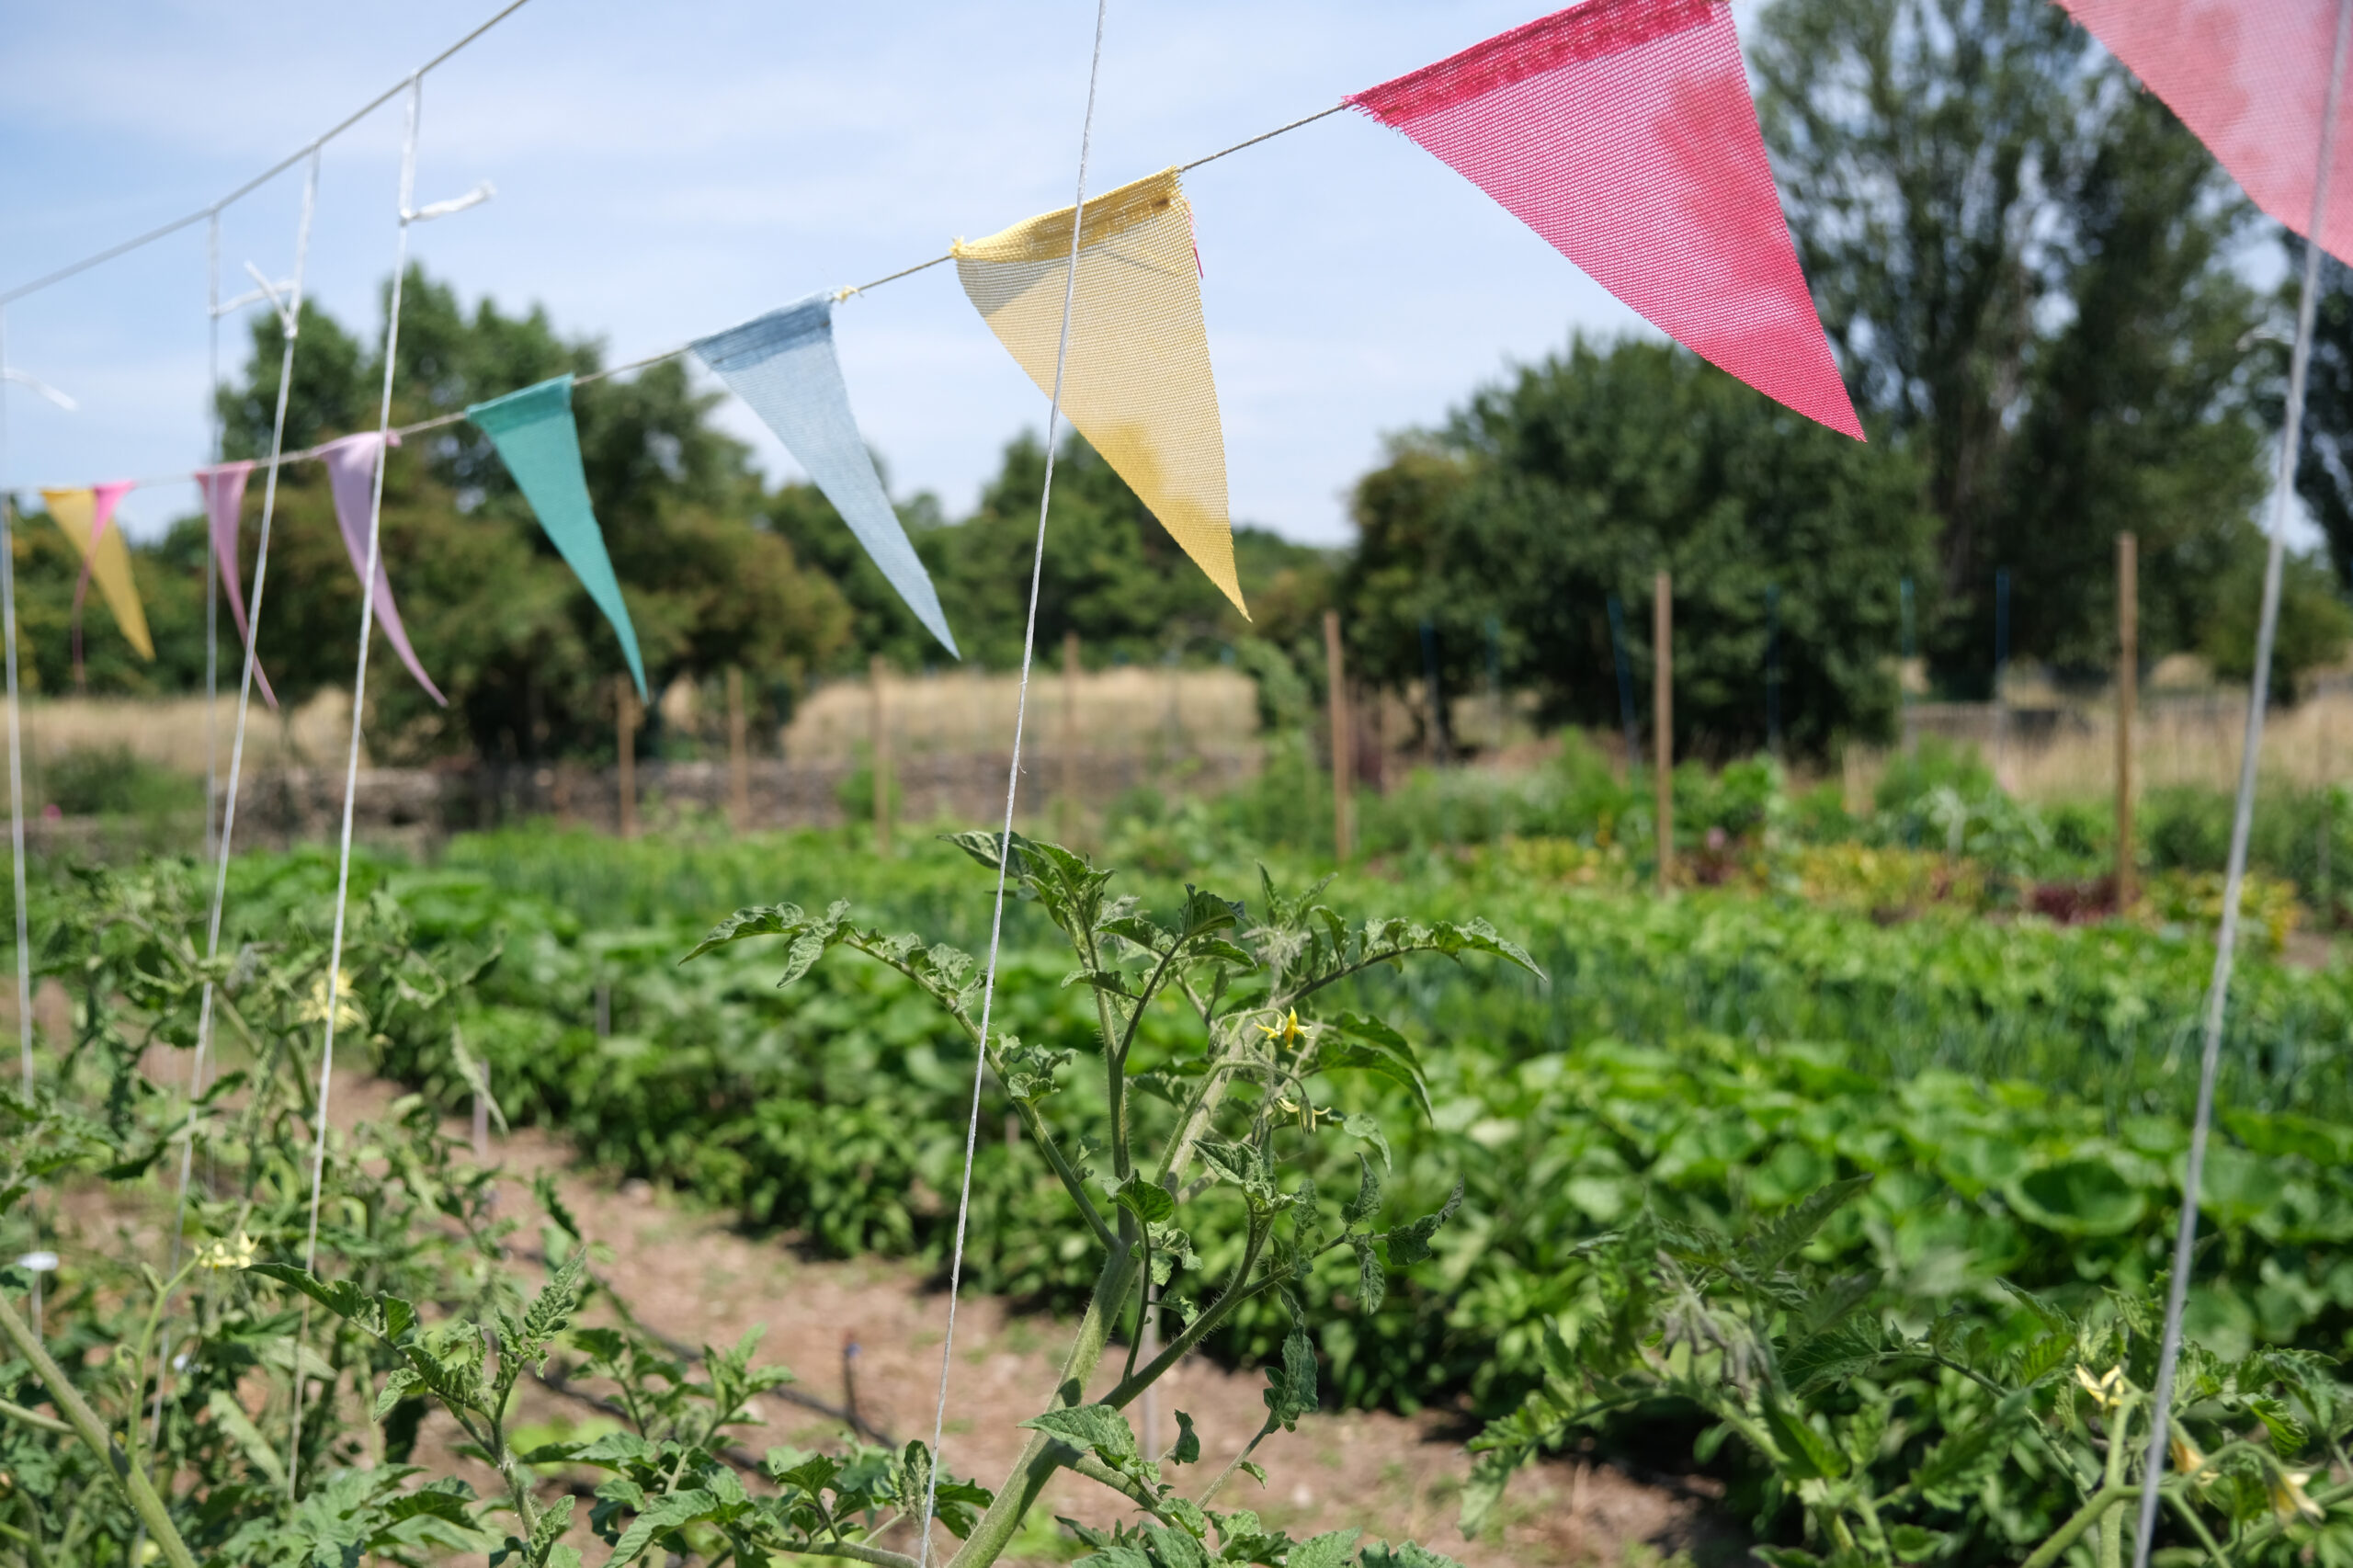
1112,574
415,1310
1582,477
1668,1062
496,615
112,781
2014,1093
416,1224
1979,1438
1253,1091
2315,627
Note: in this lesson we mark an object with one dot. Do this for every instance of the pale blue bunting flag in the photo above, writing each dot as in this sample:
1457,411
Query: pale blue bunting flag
534,432
783,365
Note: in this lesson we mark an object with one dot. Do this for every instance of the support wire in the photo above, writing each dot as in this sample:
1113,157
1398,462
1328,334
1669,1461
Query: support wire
1012,789
334,981
2152,1469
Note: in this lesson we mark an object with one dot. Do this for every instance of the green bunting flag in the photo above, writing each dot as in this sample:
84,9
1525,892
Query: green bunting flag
534,432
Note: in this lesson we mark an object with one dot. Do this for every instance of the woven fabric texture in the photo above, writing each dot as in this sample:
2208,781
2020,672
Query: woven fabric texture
1623,132
1137,384
2250,77
351,474
783,365
538,442
224,499
86,518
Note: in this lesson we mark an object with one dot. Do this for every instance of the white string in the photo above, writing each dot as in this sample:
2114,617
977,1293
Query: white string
16,784
2152,1468
211,557
1012,787
15,762
850,291
289,324
161,230
358,708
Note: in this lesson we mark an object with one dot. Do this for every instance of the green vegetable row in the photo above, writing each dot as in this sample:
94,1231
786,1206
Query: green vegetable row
2018,1091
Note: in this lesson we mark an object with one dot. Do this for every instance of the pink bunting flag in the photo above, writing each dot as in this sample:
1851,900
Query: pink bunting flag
224,495
104,498
351,473
2250,78
1623,132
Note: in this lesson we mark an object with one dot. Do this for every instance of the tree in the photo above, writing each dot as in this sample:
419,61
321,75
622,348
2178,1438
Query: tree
169,576
2142,411
496,616
2325,463
2315,627
2025,267
1111,572
1583,476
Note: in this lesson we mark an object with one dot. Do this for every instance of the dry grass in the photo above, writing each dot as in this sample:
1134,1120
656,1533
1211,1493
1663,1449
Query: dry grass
1130,710
2178,738
170,732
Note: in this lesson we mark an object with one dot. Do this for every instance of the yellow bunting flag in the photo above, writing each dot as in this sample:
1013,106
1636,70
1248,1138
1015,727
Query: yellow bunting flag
107,559
1138,383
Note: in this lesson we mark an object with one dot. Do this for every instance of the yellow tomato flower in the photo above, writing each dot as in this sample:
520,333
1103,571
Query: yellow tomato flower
346,1013
2108,1392
239,1253
2288,1498
1287,1033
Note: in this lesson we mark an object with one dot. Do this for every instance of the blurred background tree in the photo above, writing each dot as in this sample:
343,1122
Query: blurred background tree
1581,478
2031,274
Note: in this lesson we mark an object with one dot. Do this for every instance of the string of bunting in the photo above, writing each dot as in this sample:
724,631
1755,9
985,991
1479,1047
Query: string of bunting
1623,132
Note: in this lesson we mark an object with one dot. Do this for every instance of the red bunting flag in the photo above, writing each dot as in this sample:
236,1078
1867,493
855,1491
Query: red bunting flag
1623,132
2250,77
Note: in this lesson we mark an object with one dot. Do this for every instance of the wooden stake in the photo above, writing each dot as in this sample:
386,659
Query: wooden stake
2128,692
739,754
1070,737
881,758
1663,720
625,722
1344,751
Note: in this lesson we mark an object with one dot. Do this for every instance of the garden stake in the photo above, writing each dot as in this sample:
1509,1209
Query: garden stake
1343,743
739,760
2128,680
625,740
1663,720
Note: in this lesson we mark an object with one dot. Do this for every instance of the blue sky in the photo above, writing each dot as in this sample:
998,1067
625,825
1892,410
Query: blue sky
666,170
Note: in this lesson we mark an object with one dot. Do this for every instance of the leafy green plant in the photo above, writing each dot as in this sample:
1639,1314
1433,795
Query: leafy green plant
1967,1441
201,1455
1701,1054
176,1370
1217,1122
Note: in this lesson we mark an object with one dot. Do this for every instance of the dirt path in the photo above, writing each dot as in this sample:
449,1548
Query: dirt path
690,1274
